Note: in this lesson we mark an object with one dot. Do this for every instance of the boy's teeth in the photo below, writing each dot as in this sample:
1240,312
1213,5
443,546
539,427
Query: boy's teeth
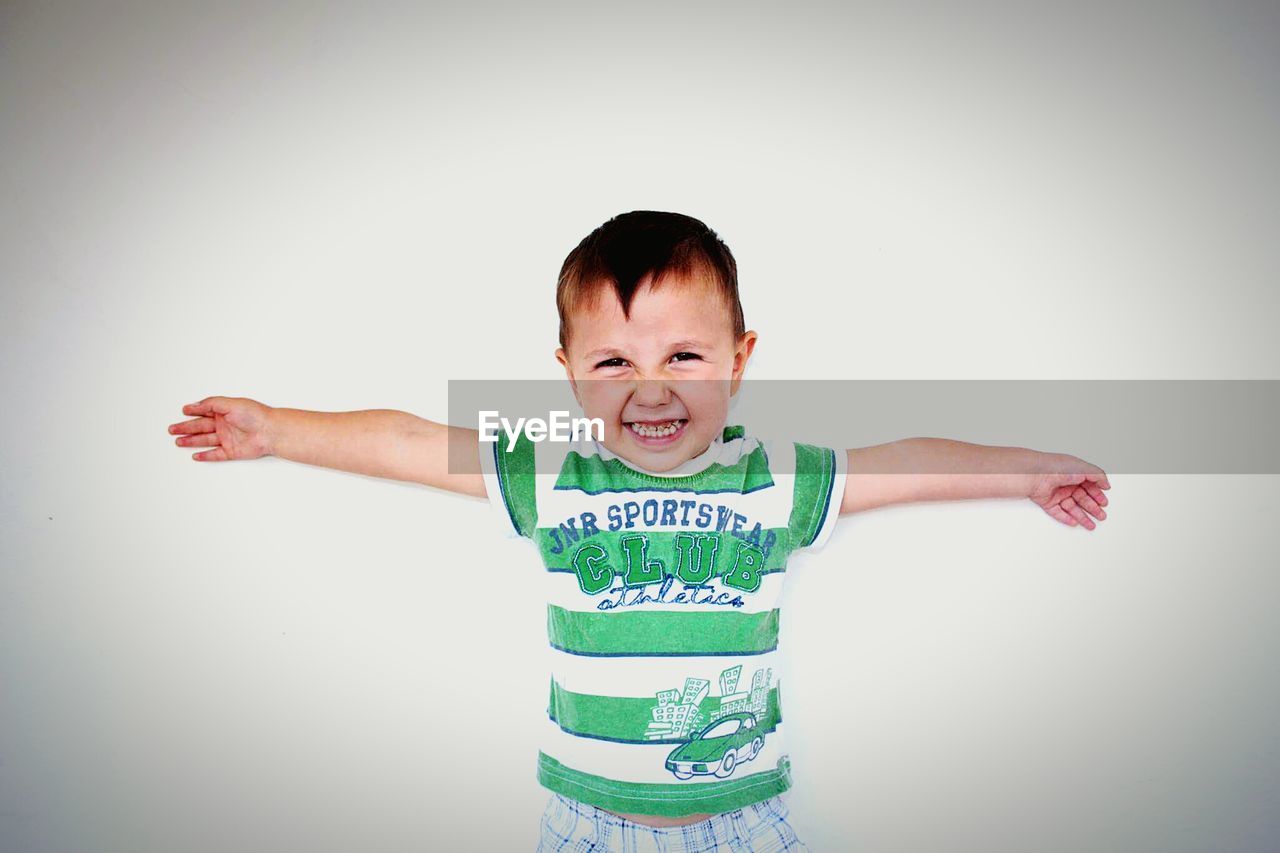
656,430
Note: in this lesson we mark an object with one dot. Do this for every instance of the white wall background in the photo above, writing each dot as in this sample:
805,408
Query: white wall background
343,207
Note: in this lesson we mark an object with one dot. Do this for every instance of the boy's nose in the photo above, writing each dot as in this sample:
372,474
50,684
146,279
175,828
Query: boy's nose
652,392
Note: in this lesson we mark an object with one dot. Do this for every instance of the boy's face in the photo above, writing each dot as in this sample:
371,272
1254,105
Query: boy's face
660,381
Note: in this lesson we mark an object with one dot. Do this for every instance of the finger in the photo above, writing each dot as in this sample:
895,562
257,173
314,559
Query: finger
194,425
215,455
206,439
207,406
1095,492
1101,479
1058,513
1086,501
1062,493
1078,514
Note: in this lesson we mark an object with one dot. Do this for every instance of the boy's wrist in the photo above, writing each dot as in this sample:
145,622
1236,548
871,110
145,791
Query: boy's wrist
271,426
1037,468
302,435
1050,468
1015,471
286,434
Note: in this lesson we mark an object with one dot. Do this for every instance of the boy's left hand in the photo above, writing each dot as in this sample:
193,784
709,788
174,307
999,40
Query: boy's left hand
1070,489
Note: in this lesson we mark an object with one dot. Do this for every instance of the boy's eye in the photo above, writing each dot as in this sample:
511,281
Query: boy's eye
618,362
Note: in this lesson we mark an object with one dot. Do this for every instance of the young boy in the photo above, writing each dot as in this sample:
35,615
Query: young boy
665,541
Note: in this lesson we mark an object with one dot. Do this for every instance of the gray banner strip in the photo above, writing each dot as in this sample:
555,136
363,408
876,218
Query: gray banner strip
1214,426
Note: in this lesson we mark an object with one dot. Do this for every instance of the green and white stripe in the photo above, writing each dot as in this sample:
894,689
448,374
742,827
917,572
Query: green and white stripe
664,798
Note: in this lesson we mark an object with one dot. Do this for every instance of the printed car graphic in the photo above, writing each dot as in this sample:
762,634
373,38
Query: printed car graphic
719,748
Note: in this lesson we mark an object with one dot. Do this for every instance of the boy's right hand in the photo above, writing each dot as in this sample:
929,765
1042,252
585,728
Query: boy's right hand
235,427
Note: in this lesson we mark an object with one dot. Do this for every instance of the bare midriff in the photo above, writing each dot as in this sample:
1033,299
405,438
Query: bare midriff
659,820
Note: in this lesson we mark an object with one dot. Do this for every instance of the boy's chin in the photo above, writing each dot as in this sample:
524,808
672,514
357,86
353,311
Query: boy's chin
656,456
659,463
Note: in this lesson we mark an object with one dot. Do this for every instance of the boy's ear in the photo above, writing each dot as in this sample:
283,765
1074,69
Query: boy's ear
741,355
563,358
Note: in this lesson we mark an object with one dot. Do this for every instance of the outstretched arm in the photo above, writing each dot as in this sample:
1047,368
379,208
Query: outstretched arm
376,442
938,469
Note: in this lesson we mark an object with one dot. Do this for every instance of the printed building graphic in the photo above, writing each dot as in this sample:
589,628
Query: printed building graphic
695,689
729,680
679,713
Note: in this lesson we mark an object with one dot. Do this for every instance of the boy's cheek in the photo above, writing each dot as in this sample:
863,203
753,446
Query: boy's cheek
603,403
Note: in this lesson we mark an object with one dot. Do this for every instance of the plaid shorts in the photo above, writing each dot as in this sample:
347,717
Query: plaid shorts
568,825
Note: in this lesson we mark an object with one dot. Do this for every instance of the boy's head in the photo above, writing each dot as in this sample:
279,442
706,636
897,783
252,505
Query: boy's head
649,303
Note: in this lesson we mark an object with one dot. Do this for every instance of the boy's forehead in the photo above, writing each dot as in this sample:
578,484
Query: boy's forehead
678,309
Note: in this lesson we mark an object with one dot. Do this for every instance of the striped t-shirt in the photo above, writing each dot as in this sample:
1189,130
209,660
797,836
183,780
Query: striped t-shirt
662,612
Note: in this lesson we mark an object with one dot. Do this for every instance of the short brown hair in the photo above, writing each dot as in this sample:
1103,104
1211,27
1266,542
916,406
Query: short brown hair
622,251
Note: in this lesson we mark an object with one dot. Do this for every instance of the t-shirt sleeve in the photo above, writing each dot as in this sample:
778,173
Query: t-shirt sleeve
509,479
820,474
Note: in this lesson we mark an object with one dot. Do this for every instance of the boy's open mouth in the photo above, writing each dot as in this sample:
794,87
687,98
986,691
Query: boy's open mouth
657,432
